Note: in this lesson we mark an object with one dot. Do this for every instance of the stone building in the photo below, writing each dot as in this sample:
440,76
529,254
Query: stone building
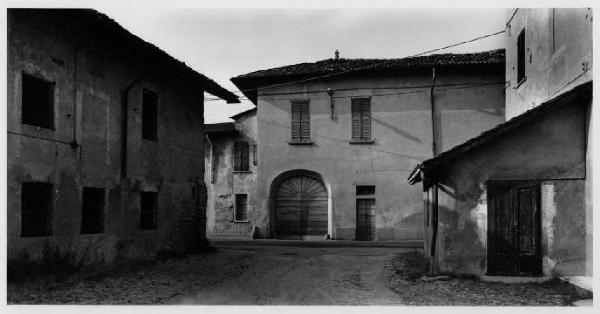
231,168
517,200
332,150
96,116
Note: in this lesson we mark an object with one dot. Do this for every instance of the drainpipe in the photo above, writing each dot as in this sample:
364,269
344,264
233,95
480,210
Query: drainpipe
434,196
124,123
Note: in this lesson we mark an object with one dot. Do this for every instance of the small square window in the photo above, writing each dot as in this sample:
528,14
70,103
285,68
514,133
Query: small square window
37,203
37,102
92,211
148,211
365,190
241,207
150,116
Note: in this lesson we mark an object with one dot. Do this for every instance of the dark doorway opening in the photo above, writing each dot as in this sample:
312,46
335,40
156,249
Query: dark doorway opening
514,228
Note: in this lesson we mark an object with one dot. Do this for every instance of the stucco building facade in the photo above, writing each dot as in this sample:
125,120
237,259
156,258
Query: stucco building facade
92,130
231,169
517,200
332,150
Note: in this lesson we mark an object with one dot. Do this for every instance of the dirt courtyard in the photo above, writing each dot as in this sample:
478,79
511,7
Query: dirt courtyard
246,273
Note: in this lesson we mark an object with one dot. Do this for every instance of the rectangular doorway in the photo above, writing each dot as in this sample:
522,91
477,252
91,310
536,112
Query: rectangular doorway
514,228
365,219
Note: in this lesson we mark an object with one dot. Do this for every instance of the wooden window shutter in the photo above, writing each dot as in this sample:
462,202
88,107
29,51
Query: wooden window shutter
295,121
305,123
300,121
245,159
366,119
356,119
240,155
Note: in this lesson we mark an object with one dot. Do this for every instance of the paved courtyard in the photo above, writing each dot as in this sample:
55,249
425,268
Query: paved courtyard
286,273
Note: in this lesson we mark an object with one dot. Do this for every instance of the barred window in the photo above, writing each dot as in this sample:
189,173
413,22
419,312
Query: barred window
241,155
241,207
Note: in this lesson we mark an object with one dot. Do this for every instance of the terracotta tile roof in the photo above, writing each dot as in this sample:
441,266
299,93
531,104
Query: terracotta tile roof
96,19
250,81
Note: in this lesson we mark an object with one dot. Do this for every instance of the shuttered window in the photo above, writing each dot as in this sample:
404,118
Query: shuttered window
361,119
300,122
241,155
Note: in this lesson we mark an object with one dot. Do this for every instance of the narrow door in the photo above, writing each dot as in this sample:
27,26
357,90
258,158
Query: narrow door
365,219
514,229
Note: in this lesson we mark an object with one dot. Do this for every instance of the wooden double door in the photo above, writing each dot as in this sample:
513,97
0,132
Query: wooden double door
514,228
301,208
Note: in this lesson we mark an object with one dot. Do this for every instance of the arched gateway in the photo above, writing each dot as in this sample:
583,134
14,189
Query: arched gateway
299,204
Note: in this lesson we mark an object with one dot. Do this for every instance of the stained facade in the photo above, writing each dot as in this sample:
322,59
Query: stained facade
331,150
92,131
517,200
231,162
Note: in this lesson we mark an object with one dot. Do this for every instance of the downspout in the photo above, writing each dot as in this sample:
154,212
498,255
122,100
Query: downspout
434,196
124,123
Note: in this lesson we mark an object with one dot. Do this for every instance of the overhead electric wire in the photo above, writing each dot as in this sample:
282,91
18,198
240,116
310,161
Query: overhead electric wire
362,68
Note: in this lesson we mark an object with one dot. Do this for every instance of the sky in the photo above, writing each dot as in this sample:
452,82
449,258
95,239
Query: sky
223,43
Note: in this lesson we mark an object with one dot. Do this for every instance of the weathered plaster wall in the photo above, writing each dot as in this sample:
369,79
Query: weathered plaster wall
87,108
558,54
550,149
227,183
401,128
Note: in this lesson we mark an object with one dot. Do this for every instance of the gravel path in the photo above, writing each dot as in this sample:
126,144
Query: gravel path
286,275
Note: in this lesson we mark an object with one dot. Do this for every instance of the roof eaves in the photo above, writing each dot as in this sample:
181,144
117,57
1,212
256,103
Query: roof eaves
431,165
208,84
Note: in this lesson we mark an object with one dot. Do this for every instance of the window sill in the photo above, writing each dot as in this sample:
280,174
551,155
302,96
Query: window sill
300,143
241,221
241,171
361,142
520,82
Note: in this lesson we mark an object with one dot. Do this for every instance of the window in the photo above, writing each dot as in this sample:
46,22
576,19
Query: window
148,211
300,122
150,116
521,56
365,189
241,207
241,154
96,65
36,209
92,211
37,102
361,120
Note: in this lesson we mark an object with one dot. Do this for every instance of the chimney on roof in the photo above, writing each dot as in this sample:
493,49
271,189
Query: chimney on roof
337,54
